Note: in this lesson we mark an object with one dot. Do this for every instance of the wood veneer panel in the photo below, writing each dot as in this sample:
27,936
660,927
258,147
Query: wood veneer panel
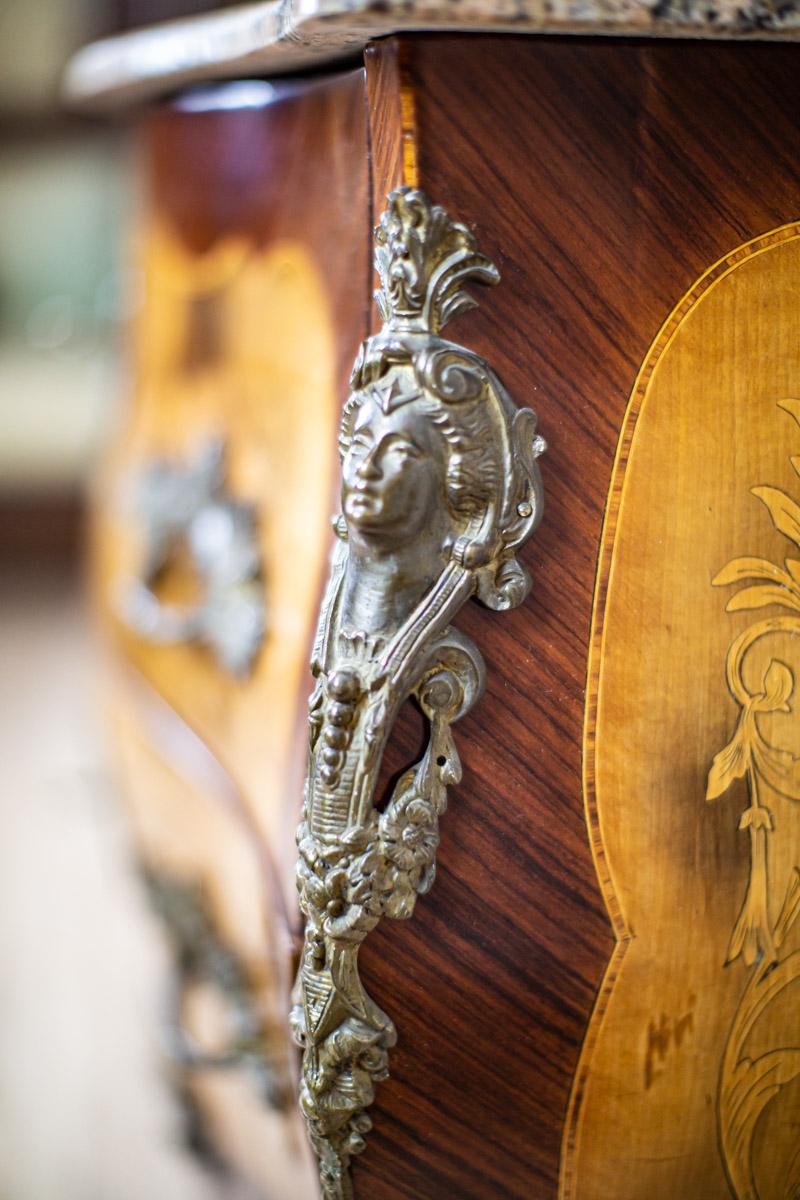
603,179
688,1056
192,832
294,166
253,248
392,124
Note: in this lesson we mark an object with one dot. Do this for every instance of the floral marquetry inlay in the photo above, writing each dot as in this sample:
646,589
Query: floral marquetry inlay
689,1079
750,1079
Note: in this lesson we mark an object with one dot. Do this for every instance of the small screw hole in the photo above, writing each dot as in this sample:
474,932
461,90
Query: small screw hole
441,760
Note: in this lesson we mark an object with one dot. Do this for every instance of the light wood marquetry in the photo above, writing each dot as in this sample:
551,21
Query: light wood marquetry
267,388
247,323
674,1094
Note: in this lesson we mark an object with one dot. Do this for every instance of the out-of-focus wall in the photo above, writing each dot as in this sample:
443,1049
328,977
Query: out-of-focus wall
64,190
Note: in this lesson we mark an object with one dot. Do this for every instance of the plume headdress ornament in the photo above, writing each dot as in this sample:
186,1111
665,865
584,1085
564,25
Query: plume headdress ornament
423,258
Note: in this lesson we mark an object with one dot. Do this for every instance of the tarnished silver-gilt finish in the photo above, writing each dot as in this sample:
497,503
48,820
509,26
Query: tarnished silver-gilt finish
440,487
185,506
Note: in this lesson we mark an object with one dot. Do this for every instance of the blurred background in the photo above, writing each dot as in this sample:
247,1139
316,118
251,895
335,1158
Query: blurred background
86,1111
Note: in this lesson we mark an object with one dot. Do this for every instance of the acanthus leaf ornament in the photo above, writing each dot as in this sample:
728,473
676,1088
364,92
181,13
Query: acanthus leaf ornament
440,487
761,1060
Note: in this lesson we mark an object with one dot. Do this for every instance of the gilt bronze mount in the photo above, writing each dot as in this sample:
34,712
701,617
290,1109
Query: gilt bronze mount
440,487
187,505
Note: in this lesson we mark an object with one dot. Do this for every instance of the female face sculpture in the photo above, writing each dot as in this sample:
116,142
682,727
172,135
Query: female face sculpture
393,472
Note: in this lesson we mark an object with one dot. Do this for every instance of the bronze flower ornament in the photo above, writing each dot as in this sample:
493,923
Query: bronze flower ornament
440,487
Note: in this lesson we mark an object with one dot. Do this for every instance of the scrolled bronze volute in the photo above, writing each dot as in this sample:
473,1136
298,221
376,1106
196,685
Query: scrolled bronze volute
440,487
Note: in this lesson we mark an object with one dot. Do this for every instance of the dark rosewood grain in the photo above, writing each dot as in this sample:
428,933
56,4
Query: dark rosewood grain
392,124
603,178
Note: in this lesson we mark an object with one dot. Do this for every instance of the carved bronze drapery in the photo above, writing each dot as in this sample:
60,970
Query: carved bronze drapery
440,487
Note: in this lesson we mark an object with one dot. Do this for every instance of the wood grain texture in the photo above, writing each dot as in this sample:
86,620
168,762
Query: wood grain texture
291,167
702,428
391,98
254,262
603,179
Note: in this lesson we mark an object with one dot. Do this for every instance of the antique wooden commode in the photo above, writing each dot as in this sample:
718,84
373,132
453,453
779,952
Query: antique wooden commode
560,594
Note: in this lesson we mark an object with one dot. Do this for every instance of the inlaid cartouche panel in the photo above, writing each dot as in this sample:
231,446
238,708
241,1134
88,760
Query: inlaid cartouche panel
688,1080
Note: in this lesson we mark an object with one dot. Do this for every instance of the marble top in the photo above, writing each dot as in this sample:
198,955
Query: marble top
281,36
